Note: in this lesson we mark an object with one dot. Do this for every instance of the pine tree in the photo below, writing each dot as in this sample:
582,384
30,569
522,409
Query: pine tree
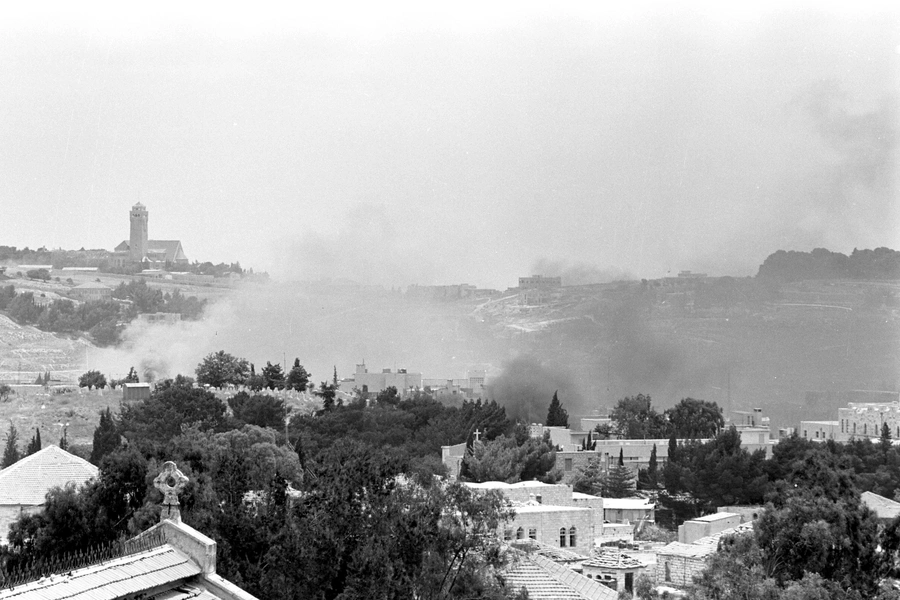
556,414
621,458
334,381
64,440
652,467
11,452
618,483
35,444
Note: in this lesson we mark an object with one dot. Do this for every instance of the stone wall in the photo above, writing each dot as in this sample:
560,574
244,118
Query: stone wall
678,571
546,521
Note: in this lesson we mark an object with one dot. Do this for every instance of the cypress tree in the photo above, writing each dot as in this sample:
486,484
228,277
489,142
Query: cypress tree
556,414
673,449
35,444
106,436
652,467
11,452
621,458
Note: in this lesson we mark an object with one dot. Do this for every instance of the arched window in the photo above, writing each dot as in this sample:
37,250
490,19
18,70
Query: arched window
507,534
532,533
572,537
562,537
520,534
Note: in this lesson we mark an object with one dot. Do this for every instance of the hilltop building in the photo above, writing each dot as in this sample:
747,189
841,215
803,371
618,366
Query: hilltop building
91,292
863,417
539,281
373,383
139,249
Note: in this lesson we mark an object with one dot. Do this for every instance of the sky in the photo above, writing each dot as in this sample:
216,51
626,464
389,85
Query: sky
475,143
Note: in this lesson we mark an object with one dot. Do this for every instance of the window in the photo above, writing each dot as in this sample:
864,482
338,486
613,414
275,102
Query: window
568,464
572,537
520,534
532,533
562,537
539,499
817,435
865,428
804,433
668,573
507,534
854,428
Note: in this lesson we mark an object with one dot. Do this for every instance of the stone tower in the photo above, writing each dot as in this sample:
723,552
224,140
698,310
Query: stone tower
138,242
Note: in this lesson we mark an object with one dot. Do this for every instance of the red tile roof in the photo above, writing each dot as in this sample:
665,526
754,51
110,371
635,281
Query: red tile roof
27,482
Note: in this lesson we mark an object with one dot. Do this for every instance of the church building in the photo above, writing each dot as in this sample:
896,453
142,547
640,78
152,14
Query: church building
139,249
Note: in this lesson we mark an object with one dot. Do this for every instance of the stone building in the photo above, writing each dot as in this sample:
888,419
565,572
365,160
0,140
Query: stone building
615,570
677,563
139,249
551,514
864,416
91,292
24,484
373,383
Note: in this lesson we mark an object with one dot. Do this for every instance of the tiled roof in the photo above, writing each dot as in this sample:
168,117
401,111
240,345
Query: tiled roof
27,481
547,580
613,560
885,508
554,553
705,545
114,579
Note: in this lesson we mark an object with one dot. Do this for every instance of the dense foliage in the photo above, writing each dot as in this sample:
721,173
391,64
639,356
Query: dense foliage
880,263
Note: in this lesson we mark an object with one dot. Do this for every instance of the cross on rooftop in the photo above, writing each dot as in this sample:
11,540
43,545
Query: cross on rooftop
477,435
170,482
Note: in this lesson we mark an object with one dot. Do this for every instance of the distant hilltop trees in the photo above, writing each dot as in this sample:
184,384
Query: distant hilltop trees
881,263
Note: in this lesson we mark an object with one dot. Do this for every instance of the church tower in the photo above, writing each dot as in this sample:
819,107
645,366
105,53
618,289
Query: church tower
138,242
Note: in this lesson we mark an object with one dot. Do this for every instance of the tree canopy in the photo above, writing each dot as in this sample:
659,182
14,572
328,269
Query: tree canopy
219,369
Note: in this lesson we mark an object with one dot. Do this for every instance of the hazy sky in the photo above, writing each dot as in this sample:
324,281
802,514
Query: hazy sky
472,145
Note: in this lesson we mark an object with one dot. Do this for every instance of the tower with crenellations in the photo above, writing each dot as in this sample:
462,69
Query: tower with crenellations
138,241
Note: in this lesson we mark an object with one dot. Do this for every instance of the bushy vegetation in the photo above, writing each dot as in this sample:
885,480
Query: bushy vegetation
102,320
880,263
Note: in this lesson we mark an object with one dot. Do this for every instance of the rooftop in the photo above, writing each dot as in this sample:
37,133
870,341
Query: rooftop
627,503
884,508
114,579
27,481
613,560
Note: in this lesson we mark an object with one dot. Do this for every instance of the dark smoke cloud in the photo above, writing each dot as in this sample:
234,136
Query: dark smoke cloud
578,273
525,388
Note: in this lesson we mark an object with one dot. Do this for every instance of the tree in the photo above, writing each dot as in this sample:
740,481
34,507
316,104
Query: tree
556,414
174,404
219,369
106,436
5,392
261,410
589,479
388,397
132,377
327,393
11,452
92,379
635,418
695,419
35,444
274,375
64,438
297,377
358,532
618,483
